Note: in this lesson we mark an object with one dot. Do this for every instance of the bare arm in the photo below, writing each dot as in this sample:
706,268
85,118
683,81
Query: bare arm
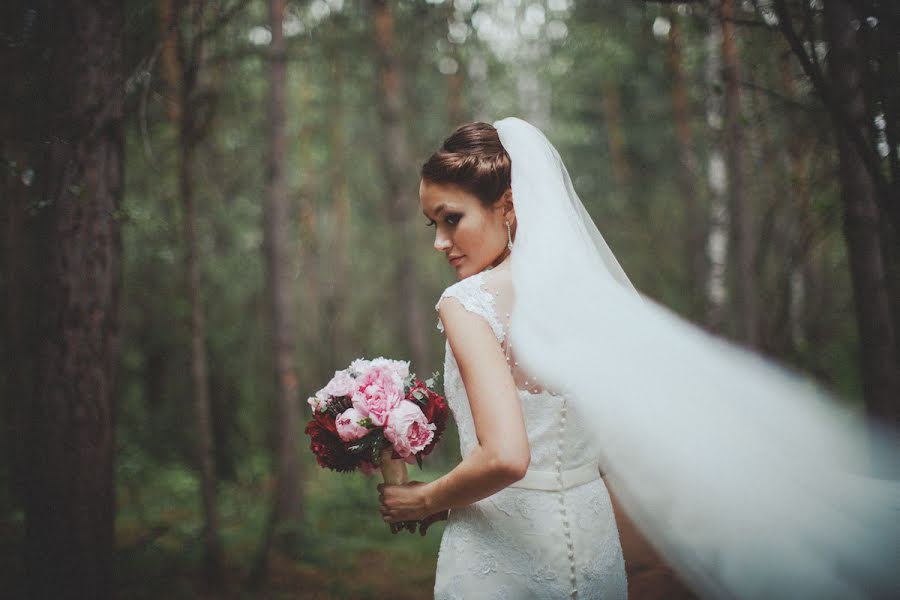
502,455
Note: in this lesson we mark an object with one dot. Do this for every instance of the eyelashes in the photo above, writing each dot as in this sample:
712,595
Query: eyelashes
450,219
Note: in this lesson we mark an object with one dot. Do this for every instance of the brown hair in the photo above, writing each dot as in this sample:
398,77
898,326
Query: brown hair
473,159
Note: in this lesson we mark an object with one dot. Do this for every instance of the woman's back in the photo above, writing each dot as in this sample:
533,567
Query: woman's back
551,534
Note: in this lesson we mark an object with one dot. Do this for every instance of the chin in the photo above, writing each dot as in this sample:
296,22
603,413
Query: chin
463,272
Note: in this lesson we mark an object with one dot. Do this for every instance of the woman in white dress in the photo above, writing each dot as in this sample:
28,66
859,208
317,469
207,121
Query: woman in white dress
746,477
524,516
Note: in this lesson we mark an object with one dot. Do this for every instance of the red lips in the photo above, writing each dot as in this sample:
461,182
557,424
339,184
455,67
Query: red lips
454,260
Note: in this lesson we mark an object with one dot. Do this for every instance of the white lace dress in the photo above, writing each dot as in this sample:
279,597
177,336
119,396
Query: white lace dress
552,534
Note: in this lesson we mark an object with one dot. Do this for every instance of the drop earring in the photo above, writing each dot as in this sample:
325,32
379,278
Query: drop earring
508,236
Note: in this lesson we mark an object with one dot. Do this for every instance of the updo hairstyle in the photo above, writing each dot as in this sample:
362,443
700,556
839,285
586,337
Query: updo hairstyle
473,159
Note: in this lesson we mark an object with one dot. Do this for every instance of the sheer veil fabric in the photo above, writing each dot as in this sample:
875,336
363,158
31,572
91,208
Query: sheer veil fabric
748,478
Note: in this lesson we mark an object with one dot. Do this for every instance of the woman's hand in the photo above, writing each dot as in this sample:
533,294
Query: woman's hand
438,516
407,502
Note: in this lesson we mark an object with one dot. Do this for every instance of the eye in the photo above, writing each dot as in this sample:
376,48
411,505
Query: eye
430,223
452,219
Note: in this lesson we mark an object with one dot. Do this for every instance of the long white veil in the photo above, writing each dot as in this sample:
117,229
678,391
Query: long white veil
748,478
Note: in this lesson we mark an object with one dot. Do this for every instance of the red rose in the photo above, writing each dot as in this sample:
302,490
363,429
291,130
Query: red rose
330,451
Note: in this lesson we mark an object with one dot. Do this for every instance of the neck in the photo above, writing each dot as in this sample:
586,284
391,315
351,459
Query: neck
501,259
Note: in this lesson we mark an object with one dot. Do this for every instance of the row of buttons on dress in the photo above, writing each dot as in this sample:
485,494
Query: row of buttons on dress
562,505
558,464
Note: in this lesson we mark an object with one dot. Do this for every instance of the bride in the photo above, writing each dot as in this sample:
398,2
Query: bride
563,379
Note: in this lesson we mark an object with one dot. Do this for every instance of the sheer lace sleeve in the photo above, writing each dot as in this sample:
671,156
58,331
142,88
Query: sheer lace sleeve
476,297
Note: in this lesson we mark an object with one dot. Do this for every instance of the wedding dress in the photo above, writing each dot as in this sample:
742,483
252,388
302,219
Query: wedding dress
550,535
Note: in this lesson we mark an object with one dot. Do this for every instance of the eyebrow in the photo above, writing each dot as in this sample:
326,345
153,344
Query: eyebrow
440,208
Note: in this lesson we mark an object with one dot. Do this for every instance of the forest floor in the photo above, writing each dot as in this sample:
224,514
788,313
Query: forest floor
159,555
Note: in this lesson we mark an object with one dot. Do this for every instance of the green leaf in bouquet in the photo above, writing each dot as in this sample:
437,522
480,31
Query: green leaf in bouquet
365,444
419,459
433,379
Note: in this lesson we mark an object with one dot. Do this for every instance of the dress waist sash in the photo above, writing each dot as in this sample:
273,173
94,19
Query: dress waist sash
558,480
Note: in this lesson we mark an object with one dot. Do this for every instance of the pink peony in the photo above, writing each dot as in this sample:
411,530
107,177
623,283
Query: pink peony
408,430
399,367
377,392
342,384
348,427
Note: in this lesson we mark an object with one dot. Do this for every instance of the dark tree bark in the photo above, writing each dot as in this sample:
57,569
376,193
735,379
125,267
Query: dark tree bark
877,330
69,506
17,284
400,182
741,220
692,192
612,110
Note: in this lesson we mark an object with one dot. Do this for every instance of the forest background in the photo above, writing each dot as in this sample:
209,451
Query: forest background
210,205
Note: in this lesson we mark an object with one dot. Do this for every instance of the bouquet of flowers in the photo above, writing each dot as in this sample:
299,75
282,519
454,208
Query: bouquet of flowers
375,413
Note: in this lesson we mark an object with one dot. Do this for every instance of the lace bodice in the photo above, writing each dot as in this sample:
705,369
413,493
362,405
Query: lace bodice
488,294
552,534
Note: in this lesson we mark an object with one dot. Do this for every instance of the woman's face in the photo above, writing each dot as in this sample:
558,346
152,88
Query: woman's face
471,235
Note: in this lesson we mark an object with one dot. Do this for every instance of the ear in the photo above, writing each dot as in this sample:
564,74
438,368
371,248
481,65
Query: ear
507,207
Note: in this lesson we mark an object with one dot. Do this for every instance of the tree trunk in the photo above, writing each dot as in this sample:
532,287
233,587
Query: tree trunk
202,410
281,294
877,330
400,183
716,288
18,287
773,258
741,219
187,66
802,252
455,80
341,208
69,509
612,110
309,252
695,216
287,510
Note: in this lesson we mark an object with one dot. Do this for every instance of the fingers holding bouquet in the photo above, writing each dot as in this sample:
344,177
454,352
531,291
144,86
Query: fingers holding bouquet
407,506
403,502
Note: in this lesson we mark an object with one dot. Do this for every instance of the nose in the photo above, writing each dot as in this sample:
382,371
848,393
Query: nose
441,244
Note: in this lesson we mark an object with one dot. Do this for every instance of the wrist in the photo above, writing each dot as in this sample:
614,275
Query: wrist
428,498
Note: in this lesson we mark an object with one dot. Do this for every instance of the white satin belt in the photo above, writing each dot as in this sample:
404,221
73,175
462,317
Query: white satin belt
558,480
